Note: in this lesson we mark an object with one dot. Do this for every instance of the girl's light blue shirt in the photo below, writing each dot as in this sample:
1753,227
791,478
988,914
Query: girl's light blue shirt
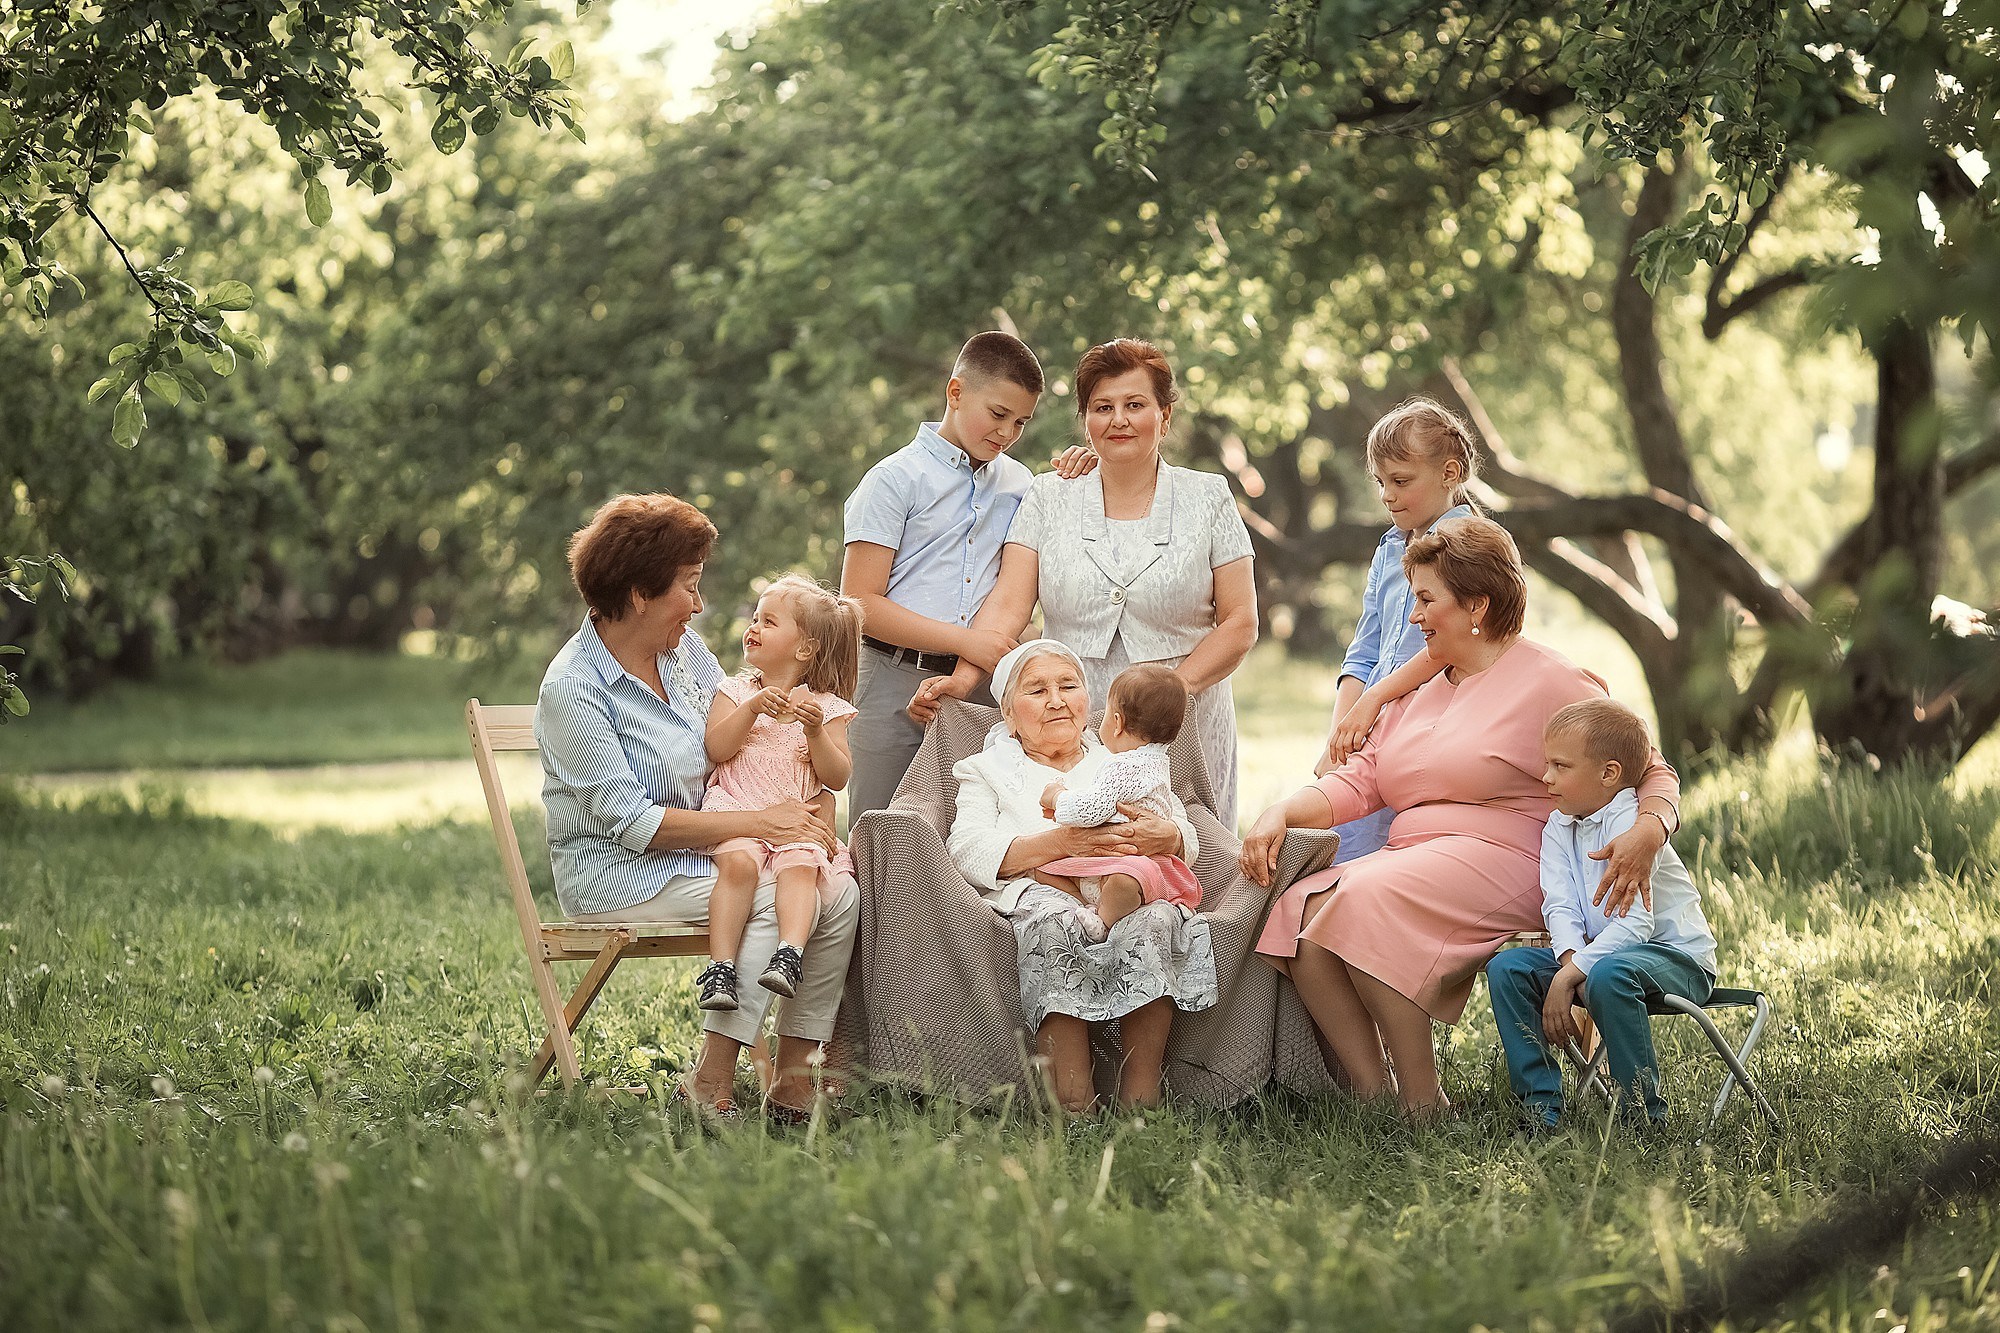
614,754
1385,638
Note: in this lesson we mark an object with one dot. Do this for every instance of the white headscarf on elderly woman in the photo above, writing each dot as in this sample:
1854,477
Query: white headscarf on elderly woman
1008,667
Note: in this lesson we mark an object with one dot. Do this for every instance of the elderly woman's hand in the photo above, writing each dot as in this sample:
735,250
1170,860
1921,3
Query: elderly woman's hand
1630,873
1259,857
1152,834
794,821
923,705
1102,840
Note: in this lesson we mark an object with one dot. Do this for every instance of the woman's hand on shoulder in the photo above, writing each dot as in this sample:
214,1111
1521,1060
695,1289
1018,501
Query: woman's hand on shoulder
1076,461
1259,857
1630,873
794,821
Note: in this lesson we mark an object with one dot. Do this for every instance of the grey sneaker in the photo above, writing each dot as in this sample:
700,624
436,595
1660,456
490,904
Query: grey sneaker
715,988
782,976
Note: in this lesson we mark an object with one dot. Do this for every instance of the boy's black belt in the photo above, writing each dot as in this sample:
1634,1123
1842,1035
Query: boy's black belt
938,662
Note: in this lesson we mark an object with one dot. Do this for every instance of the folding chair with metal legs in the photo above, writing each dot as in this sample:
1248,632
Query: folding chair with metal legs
1737,1059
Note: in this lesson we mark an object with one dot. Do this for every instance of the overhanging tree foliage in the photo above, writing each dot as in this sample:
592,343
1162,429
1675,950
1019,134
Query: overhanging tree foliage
1737,108
80,85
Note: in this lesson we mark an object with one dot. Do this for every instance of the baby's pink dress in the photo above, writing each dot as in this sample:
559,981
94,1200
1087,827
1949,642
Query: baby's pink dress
1461,763
774,766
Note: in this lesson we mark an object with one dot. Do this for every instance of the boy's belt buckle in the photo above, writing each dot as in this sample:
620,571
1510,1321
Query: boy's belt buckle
939,662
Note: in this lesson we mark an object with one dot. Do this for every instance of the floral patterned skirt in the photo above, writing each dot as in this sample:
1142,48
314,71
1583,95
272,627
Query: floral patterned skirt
1159,950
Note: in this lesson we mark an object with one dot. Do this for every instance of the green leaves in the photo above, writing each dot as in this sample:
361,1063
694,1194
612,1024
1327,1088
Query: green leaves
75,81
164,384
231,295
18,576
128,421
448,132
319,204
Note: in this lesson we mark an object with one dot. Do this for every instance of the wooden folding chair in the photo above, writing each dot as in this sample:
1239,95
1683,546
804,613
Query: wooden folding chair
512,727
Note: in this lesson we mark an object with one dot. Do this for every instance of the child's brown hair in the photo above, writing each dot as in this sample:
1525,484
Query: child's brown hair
832,624
1610,732
1153,702
1425,430
998,356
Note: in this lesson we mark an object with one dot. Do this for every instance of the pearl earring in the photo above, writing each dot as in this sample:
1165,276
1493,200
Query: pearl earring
1475,629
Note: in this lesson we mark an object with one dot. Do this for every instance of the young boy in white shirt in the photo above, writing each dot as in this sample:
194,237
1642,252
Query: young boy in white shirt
923,536
1594,752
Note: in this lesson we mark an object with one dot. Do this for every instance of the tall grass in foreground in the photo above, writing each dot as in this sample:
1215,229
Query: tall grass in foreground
252,1082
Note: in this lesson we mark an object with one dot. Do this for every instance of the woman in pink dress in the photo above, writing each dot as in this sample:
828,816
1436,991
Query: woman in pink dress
1382,945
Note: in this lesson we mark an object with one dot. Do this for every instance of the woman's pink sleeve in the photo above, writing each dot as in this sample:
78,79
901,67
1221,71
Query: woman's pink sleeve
1350,789
1661,780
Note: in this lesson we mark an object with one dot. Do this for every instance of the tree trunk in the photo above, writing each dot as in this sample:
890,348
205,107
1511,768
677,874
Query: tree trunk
1693,692
1873,704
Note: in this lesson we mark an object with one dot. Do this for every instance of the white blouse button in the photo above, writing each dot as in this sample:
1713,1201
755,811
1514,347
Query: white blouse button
1117,596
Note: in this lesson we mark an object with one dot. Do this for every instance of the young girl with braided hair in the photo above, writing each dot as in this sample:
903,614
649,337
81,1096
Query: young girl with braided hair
1423,461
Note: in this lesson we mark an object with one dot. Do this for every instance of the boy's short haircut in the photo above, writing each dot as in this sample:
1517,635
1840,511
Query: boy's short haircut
999,356
1153,702
1610,732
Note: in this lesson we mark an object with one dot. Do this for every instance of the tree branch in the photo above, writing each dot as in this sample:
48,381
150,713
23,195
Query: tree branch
1512,479
1648,630
1843,564
138,279
1704,540
1696,536
1721,310
1663,452
1719,276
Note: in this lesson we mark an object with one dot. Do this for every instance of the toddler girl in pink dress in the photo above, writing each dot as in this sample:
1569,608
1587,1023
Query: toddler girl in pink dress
778,732
1143,712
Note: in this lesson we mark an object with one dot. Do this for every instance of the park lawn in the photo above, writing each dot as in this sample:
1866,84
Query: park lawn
367,743
308,706
257,1071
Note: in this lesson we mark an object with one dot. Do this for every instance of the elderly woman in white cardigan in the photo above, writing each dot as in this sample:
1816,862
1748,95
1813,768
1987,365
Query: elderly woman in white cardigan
1155,960
1140,561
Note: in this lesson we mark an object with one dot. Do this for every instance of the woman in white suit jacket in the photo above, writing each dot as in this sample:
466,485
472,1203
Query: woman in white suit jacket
1140,561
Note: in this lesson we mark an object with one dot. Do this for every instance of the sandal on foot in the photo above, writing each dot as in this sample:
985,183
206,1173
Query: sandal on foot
787,1117
723,1110
715,988
781,976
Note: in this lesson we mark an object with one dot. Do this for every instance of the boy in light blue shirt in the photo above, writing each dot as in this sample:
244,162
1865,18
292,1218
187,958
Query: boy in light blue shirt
1594,752
923,536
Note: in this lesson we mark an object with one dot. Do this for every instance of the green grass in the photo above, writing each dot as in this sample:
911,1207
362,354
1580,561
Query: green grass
260,1072
303,707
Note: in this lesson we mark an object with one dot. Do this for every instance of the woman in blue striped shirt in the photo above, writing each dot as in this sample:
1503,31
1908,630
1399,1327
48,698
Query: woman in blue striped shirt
621,722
